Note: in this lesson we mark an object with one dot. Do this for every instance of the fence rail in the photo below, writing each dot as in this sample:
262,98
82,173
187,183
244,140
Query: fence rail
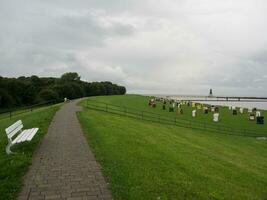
14,112
154,117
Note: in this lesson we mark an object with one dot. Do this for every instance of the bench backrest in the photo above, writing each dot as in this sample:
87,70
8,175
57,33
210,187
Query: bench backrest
13,129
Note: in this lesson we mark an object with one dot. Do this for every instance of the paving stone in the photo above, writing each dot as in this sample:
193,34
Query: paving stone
52,197
64,166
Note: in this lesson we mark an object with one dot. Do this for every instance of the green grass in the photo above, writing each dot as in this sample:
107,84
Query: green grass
226,118
146,160
13,167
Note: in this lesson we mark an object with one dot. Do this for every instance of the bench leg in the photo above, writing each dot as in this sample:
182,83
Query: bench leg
8,150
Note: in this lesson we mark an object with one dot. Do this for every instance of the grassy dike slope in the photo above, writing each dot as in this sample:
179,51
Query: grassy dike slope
145,160
239,121
13,167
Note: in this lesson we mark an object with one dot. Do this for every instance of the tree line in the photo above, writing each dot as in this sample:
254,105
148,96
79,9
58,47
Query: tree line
23,91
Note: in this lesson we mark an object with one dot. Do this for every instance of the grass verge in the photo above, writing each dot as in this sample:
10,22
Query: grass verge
145,160
13,167
140,103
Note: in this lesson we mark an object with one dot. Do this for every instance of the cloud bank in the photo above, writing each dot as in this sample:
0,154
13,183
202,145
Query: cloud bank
158,47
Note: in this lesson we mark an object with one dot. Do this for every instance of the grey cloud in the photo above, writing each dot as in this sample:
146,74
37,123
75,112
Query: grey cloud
260,57
162,47
39,40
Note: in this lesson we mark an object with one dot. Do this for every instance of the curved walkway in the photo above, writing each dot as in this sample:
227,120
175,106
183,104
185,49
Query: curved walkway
64,166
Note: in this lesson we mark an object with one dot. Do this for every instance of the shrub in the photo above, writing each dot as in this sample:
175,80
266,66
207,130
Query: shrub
48,94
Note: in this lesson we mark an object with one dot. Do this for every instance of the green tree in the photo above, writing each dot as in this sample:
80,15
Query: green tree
70,77
65,91
78,90
29,94
48,94
6,100
29,90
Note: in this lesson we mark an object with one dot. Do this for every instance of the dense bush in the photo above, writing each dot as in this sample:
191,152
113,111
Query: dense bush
48,94
30,90
6,100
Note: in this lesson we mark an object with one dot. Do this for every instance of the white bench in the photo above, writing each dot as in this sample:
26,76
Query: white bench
22,135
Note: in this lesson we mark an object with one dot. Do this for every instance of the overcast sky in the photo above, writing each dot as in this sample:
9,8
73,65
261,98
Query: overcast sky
163,46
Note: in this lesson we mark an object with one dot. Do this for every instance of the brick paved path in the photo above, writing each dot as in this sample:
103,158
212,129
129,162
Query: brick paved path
64,166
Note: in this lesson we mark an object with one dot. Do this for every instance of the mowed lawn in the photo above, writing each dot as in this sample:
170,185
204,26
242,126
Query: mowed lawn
146,160
13,167
226,117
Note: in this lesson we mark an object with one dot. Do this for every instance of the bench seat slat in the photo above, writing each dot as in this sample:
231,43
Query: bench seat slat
26,135
17,138
30,136
20,138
